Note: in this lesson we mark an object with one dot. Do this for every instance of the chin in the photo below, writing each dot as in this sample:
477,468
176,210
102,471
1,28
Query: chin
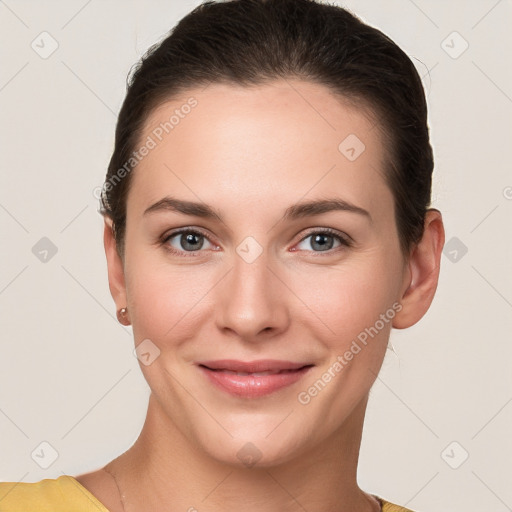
249,450
254,455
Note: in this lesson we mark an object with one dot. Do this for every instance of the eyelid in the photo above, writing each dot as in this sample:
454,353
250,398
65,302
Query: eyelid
185,229
346,239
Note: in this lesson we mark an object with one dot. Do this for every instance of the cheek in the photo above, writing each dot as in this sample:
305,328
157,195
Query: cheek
164,299
348,298
357,304
168,301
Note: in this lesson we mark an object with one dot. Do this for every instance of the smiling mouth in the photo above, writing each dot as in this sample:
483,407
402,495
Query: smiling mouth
253,379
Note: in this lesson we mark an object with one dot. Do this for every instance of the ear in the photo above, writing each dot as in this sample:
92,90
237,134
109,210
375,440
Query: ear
423,272
116,280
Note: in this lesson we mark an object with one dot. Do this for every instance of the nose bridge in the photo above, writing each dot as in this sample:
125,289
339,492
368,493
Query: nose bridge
252,300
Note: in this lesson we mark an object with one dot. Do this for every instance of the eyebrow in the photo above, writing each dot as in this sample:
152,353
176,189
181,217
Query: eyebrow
296,211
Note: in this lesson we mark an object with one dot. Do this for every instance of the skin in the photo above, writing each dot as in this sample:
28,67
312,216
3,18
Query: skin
250,153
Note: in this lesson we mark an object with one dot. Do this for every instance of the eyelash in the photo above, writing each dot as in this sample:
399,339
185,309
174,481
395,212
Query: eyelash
344,240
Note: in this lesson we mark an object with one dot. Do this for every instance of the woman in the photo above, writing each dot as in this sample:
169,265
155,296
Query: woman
267,223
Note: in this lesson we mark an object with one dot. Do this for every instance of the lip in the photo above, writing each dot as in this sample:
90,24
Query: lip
223,374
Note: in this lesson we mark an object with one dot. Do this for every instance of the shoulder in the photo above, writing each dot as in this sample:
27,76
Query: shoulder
49,495
391,507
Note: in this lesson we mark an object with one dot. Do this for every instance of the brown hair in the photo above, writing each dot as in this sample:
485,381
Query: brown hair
251,42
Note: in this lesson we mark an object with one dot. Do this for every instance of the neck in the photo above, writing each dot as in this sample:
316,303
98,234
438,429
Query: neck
163,470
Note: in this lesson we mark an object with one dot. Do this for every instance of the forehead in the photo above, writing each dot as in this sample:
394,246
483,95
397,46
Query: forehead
247,142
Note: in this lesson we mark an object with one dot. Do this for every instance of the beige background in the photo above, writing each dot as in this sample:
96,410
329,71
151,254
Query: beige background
68,376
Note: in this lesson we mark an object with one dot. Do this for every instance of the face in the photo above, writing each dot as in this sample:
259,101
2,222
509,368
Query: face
252,272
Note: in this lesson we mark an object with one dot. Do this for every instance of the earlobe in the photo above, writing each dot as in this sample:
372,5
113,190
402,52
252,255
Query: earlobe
423,272
116,278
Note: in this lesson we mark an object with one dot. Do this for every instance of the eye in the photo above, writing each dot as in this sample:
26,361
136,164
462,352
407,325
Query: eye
324,240
191,241
185,240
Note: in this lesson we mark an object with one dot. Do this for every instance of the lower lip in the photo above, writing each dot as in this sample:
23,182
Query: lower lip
250,386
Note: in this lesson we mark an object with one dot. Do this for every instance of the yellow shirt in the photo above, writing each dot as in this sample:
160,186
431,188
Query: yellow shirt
66,494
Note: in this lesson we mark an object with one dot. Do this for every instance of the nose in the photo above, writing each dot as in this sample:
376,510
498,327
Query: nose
252,301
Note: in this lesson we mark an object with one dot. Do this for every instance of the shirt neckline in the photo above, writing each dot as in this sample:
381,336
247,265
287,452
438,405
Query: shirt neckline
89,495
103,508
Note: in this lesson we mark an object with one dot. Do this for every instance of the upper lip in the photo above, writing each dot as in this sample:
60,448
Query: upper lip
261,365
